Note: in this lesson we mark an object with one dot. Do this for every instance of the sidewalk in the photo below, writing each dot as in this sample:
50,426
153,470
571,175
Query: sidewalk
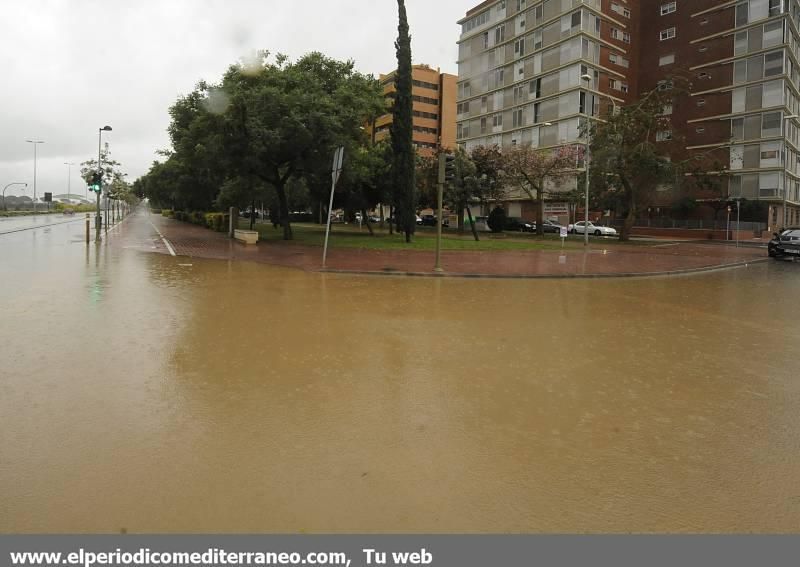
617,260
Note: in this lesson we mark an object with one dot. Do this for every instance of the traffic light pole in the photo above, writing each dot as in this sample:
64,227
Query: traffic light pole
439,199
98,221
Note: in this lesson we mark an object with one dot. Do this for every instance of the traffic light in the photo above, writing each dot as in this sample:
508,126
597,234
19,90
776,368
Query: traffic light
95,182
449,167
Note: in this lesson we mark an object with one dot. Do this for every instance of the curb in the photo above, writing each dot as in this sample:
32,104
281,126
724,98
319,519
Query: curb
669,273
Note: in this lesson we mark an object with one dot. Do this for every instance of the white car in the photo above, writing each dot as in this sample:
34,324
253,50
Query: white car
596,229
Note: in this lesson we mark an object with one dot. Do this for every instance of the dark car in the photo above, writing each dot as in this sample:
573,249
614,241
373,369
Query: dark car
430,220
785,245
550,226
514,224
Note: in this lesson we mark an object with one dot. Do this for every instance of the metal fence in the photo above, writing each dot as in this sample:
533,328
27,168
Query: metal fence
698,224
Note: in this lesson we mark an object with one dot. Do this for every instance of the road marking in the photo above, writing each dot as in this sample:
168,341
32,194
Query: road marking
38,226
164,240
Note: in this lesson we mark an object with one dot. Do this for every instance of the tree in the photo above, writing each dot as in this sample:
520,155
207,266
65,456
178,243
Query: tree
111,169
404,155
531,169
629,155
363,184
464,188
285,119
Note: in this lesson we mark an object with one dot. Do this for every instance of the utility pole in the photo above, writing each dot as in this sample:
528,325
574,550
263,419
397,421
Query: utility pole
35,143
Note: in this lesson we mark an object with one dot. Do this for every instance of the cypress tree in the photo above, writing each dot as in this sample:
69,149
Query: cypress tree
404,156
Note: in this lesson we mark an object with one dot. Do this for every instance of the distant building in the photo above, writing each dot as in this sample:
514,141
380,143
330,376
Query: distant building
434,110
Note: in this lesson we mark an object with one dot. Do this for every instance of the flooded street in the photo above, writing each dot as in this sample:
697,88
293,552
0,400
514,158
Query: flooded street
150,393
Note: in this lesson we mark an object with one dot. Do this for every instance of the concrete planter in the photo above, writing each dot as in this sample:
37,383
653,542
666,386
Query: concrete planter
246,236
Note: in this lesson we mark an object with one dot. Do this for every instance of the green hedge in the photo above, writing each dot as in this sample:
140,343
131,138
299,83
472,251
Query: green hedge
155,211
214,221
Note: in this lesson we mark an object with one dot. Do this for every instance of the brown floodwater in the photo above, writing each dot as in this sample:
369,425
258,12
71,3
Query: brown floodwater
157,394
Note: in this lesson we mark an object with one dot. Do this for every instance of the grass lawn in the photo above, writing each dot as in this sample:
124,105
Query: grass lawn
350,236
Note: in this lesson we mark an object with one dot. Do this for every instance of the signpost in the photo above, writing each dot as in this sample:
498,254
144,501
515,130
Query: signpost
563,234
336,171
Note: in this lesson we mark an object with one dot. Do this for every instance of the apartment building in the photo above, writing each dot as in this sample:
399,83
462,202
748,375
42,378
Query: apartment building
529,72
434,108
521,65
742,61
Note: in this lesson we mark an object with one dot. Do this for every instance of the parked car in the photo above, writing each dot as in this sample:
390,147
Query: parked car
785,244
482,224
596,229
430,220
550,226
419,220
373,218
514,224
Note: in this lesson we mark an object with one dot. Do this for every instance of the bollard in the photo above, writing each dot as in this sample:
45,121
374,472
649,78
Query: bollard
87,228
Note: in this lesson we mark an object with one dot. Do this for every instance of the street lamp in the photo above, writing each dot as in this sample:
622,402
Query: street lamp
786,177
588,78
98,219
35,143
69,176
6,187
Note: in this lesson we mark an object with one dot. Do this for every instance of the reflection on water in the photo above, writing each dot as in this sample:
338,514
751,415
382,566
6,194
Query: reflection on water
225,397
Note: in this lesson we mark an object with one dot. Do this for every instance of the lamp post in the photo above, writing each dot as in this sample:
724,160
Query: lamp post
99,219
786,177
588,78
6,187
728,228
35,143
69,179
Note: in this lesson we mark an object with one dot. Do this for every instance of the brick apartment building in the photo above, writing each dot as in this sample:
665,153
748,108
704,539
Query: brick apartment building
434,108
522,63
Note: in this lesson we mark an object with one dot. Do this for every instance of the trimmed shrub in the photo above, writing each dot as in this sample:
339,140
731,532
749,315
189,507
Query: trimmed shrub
497,219
155,211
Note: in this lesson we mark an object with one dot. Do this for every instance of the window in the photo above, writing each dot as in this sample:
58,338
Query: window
520,5
618,60
626,37
668,8
774,7
666,59
703,75
702,49
704,21
483,125
499,77
663,135
621,10
701,102
771,124
486,40
518,118
499,35
518,95
664,85
623,87
668,33
773,63
497,120
773,34
519,47
741,14
667,110
700,130
612,83
615,33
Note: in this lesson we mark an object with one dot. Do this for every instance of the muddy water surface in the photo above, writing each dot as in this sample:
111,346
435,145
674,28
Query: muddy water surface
141,394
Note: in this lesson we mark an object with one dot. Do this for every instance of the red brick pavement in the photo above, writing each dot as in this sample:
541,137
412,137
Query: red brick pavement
193,241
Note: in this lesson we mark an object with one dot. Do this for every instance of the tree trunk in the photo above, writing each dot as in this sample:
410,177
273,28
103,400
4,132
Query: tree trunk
392,221
461,218
284,211
472,224
379,204
540,211
366,221
252,214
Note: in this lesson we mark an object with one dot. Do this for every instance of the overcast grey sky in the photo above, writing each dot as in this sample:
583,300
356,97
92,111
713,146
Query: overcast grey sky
68,67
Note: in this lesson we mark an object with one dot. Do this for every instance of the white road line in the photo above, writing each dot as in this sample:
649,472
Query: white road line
164,240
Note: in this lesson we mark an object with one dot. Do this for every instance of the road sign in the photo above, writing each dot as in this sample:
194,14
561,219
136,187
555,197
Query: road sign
48,197
338,160
563,231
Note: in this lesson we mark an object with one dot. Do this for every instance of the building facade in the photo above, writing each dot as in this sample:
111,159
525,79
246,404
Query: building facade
741,59
522,66
434,109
